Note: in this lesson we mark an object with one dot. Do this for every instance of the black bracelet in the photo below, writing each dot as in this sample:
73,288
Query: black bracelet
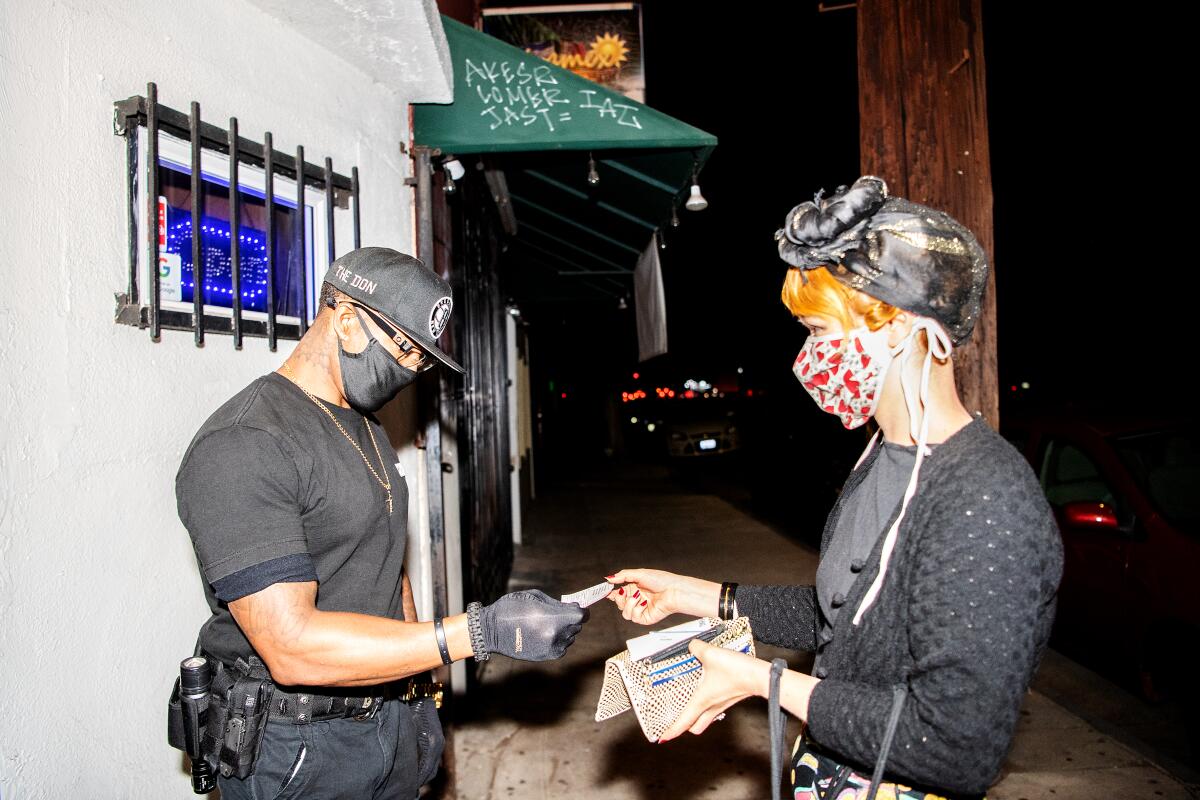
475,630
727,608
439,632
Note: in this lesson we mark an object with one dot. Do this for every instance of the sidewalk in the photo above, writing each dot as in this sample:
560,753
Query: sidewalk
529,731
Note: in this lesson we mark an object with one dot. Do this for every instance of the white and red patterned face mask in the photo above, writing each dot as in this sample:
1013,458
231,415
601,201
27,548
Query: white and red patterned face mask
844,372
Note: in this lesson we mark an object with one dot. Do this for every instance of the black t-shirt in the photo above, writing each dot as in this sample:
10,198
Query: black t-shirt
271,491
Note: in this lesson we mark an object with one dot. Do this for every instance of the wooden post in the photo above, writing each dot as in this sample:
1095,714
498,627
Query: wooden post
922,105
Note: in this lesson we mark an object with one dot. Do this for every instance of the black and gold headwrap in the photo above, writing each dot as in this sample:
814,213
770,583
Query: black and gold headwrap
917,258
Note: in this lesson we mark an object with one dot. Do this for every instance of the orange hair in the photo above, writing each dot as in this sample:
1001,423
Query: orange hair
826,296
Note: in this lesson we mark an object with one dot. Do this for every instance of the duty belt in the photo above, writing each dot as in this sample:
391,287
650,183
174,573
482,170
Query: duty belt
301,708
305,707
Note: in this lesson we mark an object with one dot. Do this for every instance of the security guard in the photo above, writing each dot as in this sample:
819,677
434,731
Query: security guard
298,516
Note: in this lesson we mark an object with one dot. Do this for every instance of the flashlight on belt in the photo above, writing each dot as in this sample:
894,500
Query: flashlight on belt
195,681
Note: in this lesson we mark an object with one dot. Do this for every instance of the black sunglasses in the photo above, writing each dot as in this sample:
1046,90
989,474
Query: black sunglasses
402,341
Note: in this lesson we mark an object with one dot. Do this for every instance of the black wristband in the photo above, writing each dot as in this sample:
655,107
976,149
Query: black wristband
727,608
439,633
475,630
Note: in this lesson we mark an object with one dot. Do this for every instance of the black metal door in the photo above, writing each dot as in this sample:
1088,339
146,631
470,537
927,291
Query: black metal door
480,407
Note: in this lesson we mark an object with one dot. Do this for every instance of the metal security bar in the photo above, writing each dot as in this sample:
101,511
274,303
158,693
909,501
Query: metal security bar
137,112
269,189
198,276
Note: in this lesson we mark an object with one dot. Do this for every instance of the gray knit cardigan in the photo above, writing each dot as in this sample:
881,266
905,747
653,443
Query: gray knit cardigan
961,621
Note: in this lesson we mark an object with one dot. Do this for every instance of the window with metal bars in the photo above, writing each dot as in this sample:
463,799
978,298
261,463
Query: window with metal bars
265,221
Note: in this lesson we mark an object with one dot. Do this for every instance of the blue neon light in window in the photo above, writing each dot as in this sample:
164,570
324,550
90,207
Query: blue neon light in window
218,264
292,265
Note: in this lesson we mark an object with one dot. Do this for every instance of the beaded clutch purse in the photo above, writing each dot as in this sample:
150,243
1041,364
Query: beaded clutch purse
658,690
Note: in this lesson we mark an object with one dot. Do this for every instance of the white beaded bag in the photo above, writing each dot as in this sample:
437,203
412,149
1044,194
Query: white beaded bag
658,691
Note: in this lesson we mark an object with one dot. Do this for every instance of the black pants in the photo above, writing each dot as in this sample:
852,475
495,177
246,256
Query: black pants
341,758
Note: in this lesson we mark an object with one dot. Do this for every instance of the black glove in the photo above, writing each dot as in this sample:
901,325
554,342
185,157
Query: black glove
430,739
530,626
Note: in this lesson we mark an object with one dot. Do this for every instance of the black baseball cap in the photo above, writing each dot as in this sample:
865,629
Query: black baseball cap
406,293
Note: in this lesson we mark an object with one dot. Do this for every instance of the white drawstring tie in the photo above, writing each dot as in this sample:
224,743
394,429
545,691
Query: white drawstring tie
939,347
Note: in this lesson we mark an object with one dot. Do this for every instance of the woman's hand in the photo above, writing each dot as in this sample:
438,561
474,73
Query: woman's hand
729,677
646,596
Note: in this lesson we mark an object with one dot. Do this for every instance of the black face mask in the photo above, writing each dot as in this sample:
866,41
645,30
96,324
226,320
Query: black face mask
372,377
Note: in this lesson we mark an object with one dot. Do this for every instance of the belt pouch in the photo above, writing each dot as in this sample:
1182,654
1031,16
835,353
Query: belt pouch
175,735
195,719
248,704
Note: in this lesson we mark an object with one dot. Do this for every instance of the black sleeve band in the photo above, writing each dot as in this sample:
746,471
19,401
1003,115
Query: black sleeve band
295,568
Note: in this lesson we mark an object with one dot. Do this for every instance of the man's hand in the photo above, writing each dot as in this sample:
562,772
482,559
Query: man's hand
531,626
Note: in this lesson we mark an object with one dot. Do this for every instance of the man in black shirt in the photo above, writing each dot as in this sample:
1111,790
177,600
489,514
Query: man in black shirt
298,516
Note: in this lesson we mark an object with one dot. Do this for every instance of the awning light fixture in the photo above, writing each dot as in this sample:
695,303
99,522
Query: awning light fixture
454,171
696,201
593,176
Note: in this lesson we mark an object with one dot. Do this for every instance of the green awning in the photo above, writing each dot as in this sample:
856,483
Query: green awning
538,123
508,100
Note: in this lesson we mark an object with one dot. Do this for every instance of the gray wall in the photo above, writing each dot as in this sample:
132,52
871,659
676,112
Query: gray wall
99,592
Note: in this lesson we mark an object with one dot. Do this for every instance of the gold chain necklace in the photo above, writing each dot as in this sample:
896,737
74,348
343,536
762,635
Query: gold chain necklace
387,485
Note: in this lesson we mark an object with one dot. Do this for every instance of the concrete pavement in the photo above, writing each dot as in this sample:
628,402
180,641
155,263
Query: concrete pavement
528,730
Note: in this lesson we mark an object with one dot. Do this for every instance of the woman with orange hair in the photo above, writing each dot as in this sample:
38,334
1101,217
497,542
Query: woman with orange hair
940,560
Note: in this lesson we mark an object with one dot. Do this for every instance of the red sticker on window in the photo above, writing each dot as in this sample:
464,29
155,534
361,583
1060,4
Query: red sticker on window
162,222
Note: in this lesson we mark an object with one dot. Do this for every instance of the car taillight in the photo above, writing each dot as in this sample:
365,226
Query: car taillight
1091,515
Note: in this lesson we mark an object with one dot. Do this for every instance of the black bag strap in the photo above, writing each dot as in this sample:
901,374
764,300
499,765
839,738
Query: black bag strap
777,722
899,695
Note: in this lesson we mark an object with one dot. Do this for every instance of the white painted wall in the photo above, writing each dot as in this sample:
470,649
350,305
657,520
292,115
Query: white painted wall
99,592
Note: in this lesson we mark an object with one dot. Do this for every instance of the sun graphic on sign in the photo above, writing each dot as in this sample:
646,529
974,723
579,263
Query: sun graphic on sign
610,49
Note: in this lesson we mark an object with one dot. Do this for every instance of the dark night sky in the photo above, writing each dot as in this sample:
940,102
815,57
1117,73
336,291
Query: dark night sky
1083,149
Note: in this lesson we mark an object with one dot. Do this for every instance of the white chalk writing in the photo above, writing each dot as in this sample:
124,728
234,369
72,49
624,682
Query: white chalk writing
522,94
622,112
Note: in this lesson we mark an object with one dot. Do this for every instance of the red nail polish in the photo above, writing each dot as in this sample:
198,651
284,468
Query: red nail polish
638,593
643,602
610,576
620,591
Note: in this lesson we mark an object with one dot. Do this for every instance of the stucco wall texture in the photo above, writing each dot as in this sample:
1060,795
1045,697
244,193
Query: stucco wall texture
99,593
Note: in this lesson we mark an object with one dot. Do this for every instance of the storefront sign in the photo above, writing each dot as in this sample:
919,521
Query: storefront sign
602,43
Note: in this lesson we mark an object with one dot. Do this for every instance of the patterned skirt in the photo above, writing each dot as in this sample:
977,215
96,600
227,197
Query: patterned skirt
815,776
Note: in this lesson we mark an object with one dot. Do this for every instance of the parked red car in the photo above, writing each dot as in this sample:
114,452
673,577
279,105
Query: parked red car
1127,498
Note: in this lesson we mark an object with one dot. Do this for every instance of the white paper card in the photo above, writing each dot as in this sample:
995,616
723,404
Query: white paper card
589,596
653,642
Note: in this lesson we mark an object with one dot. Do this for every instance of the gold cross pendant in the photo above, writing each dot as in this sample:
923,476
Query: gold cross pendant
389,502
